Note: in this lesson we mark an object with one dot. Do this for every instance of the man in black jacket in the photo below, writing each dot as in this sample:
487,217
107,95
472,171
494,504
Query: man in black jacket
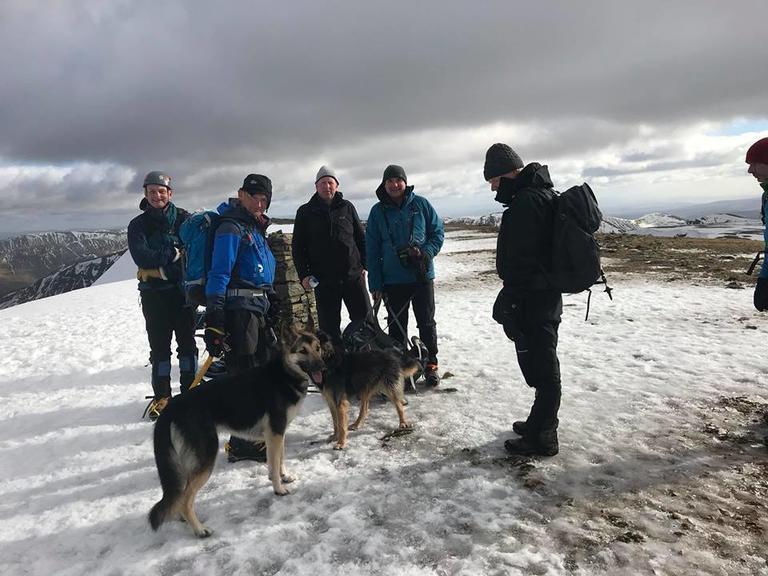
329,253
527,306
154,245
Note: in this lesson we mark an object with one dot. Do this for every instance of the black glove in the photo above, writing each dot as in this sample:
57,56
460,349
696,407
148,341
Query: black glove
214,332
505,312
273,314
761,294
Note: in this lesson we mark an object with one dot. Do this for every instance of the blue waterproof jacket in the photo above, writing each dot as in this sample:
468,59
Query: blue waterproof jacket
389,227
241,259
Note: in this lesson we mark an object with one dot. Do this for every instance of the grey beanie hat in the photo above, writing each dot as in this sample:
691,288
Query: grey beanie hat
326,171
500,159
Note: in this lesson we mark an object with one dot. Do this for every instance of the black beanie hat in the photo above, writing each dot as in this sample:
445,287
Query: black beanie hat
258,184
394,171
500,159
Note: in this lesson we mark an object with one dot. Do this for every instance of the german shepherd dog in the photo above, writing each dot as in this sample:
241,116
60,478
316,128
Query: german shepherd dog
362,374
257,404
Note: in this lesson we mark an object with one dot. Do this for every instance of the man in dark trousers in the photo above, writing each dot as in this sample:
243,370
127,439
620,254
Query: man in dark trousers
328,248
527,306
239,295
403,236
154,245
757,158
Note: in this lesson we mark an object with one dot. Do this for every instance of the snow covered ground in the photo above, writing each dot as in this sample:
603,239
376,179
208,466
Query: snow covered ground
662,467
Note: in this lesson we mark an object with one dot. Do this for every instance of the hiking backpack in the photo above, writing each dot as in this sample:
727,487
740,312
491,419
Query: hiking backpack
196,234
575,252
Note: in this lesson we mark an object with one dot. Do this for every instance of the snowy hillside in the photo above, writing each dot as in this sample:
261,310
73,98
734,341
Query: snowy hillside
615,225
719,219
661,471
658,220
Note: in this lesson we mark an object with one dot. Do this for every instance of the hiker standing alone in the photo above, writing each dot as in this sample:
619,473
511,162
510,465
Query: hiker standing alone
402,236
757,158
329,244
527,306
240,300
155,248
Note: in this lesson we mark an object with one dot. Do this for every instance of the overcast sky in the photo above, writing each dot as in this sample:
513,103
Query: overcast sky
654,102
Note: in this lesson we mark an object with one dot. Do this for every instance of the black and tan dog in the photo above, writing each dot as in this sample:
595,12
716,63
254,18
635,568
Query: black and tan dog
361,374
258,404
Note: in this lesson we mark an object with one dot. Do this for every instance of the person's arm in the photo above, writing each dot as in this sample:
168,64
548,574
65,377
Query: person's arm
373,251
299,246
359,235
145,256
435,233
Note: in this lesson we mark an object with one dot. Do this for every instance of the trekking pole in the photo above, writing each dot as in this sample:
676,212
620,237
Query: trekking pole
202,371
754,263
400,326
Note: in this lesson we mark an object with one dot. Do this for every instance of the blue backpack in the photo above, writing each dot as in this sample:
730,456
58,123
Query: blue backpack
196,234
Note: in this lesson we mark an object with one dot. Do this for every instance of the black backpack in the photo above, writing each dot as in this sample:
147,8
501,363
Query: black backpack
575,252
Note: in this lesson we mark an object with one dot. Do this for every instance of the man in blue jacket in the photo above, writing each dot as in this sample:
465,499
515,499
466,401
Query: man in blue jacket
757,158
238,290
402,236
154,246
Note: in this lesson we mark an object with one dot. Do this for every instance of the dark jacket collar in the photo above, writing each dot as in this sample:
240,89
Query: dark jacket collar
381,194
534,175
318,203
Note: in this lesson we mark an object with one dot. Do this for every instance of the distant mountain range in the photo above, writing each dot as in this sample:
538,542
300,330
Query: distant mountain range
67,278
26,258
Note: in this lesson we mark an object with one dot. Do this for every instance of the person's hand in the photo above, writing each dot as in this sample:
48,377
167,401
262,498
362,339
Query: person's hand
144,274
214,341
376,295
305,284
415,253
761,294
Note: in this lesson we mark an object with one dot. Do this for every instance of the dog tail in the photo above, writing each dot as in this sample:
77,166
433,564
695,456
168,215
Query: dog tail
167,469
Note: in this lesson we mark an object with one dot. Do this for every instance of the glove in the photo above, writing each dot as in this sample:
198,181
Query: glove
761,294
144,274
415,254
273,314
214,341
505,312
214,333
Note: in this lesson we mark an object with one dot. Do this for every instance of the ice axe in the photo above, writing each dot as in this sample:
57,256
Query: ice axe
202,371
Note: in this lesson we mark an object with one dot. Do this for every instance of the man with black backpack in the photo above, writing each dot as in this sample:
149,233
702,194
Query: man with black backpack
528,306
155,248
328,248
240,299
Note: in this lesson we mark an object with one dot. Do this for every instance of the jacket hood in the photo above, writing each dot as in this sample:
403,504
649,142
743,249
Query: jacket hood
233,209
381,194
534,175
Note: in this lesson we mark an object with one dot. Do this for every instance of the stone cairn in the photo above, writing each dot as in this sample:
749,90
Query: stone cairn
296,305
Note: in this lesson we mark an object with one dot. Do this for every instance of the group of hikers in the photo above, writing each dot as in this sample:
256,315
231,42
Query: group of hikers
336,256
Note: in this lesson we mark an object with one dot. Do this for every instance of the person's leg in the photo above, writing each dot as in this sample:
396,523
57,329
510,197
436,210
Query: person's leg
356,298
328,299
186,348
159,329
424,311
398,298
243,334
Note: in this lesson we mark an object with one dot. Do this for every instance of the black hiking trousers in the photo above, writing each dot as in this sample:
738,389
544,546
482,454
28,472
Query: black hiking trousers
248,340
329,295
422,296
537,320
166,313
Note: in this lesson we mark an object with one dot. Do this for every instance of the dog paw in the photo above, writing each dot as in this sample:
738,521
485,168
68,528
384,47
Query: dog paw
406,425
353,426
204,532
340,446
282,491
287,478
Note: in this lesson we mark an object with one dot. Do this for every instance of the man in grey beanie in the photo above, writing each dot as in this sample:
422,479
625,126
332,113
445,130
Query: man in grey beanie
329,253
528,307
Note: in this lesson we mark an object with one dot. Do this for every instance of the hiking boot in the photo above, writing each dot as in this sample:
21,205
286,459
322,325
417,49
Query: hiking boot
431,377
155,407
542,444
240,449
520,427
